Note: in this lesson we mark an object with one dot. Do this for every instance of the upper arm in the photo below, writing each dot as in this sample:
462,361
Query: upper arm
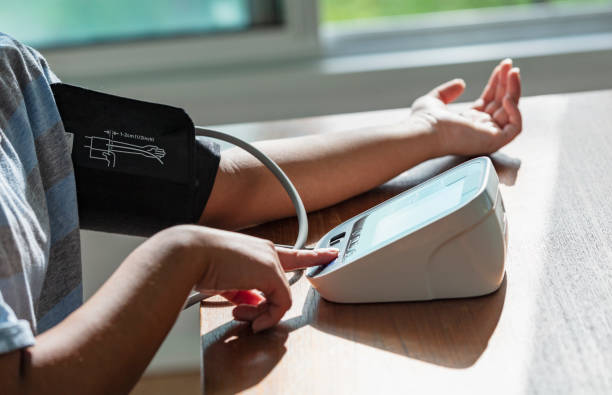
139,168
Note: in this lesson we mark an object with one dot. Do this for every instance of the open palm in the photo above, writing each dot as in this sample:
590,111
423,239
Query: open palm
492,121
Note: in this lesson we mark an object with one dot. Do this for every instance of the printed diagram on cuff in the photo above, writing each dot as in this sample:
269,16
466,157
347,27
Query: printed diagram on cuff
107,149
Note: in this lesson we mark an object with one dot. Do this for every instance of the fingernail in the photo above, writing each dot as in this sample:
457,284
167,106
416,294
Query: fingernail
507,60
329,249
516,69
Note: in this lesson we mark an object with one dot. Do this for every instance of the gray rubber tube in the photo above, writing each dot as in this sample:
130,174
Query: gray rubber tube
285,182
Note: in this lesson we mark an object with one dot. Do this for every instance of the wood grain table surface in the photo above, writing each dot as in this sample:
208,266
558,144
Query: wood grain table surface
548,329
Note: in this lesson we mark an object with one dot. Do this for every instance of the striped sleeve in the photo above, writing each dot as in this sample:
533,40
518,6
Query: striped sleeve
40,266
14,333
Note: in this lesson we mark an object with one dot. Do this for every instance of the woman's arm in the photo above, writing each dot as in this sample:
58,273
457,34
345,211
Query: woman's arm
105,345
325,169
328,168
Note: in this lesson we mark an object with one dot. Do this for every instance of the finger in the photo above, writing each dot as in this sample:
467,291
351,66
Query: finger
448,91
514,126
248,312
488,93
500,116
243,297
299,259
502,86
515,119
278,300
270,316
514,84
270,280
509,133
513,92
492,107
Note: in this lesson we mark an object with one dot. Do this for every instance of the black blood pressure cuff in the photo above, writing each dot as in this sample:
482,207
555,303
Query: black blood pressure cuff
138,166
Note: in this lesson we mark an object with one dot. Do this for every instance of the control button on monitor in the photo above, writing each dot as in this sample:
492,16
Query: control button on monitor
336,238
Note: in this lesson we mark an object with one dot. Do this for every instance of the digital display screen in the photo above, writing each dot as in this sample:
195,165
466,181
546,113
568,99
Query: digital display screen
404,215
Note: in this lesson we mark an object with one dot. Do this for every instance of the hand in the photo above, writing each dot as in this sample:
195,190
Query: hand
239,263
290,260
155,151
109,157
492,121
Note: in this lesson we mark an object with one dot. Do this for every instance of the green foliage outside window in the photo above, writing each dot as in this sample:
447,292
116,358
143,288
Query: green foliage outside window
339,10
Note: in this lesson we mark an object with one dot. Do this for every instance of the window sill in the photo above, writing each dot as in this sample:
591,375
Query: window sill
464,54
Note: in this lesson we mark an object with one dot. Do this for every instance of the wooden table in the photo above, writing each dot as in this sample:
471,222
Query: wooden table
548,329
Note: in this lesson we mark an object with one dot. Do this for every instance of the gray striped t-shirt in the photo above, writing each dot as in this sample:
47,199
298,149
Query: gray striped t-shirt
40,264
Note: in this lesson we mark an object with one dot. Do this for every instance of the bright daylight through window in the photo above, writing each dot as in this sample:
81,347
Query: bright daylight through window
342,10
75,22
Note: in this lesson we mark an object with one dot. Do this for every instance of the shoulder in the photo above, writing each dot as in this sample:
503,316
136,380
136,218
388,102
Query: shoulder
26,100
27,106
21,63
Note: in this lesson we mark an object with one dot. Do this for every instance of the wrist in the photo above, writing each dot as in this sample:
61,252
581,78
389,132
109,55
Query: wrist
185,246
420,137
432,132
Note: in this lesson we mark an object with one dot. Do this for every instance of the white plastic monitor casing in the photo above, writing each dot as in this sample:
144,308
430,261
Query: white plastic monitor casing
461,254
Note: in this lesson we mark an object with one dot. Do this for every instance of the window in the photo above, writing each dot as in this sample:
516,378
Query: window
75,22
142,36
343,10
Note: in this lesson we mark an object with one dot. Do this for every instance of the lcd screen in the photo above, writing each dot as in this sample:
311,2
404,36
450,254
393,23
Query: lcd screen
394,219
407,214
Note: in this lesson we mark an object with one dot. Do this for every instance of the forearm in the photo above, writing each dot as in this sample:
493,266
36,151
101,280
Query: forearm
325,168
105,345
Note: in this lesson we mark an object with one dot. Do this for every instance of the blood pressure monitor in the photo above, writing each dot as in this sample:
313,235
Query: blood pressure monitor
445,238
